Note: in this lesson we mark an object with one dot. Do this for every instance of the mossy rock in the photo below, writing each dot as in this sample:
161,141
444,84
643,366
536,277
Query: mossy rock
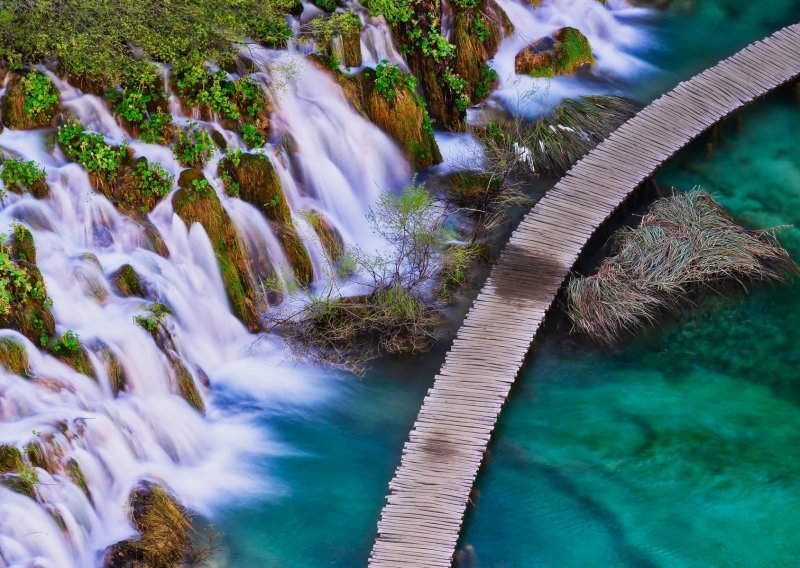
404,119
28,313
76,475
122,191
351,50
39,189
114,369
128,282
14,114
197,202
14,473
164,531
153,241
14,357
22,245
566,51
476,35
186,385
260,186
330,238
78,359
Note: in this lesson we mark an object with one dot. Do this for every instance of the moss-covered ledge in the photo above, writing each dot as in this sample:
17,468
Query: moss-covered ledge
197,202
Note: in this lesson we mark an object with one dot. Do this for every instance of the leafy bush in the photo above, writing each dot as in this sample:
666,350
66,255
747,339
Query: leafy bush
466,4
69,342
198,86
154,316
151,180
487,77
248,96
157,129
16,281
21,173
90,150
389,78
251,136
41,96
459,86
342,24
193,146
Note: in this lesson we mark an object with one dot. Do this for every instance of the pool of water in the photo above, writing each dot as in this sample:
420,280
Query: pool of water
681,447
679,450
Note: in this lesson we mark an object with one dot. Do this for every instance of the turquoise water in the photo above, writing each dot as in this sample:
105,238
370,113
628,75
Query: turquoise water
680,450
683,447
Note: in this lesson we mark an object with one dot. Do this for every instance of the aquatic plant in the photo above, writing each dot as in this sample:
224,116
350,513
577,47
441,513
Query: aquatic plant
685,244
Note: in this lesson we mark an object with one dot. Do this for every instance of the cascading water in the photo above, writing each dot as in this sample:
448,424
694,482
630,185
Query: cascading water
329,160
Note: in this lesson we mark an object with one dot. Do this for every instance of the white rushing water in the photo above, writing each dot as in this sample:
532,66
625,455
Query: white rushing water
330,160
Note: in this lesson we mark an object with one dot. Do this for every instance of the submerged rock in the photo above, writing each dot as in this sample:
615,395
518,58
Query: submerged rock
256,182
128,282
566,51
197,202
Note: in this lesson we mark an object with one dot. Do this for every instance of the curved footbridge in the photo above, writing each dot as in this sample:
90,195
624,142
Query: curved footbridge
421,521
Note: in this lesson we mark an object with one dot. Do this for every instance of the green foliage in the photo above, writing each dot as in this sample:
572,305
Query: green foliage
154,316
199,86
16,281
459,86
327,5
101,40
90,150
487,78
342,24
157,129
249,97
41,96
389,79
431,43
421,33
151,180
466,4
395,11
480,29
21,173
69,342
193,146
455,268
251,136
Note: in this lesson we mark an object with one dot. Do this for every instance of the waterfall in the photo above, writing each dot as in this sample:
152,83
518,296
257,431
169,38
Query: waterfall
330,160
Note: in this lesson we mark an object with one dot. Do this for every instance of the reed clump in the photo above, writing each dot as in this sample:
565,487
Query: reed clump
685,244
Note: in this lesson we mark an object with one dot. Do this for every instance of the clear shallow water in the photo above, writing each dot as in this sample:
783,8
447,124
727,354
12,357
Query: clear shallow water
680,449
577,408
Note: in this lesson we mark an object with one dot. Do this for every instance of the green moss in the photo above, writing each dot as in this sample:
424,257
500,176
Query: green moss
76,475
14,357
128,282
563,53
258,184
114,370
573,51
22,245
330,238
15,473
187,388
196,202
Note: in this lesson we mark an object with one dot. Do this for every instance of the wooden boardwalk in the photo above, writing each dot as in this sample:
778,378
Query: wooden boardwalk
421,521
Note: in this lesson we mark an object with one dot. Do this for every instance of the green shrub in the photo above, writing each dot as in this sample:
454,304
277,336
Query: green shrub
16,281
69,342
151,180
457,85
342,24
249,97
41,96
487,77
21,173
157,129
154,316
198,86
327,5
251,136
193,146
389,78
466,4
90,150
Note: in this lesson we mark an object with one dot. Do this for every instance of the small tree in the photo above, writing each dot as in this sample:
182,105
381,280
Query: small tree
398,313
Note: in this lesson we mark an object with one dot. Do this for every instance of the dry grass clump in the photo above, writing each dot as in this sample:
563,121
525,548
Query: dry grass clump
685,243
574,128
